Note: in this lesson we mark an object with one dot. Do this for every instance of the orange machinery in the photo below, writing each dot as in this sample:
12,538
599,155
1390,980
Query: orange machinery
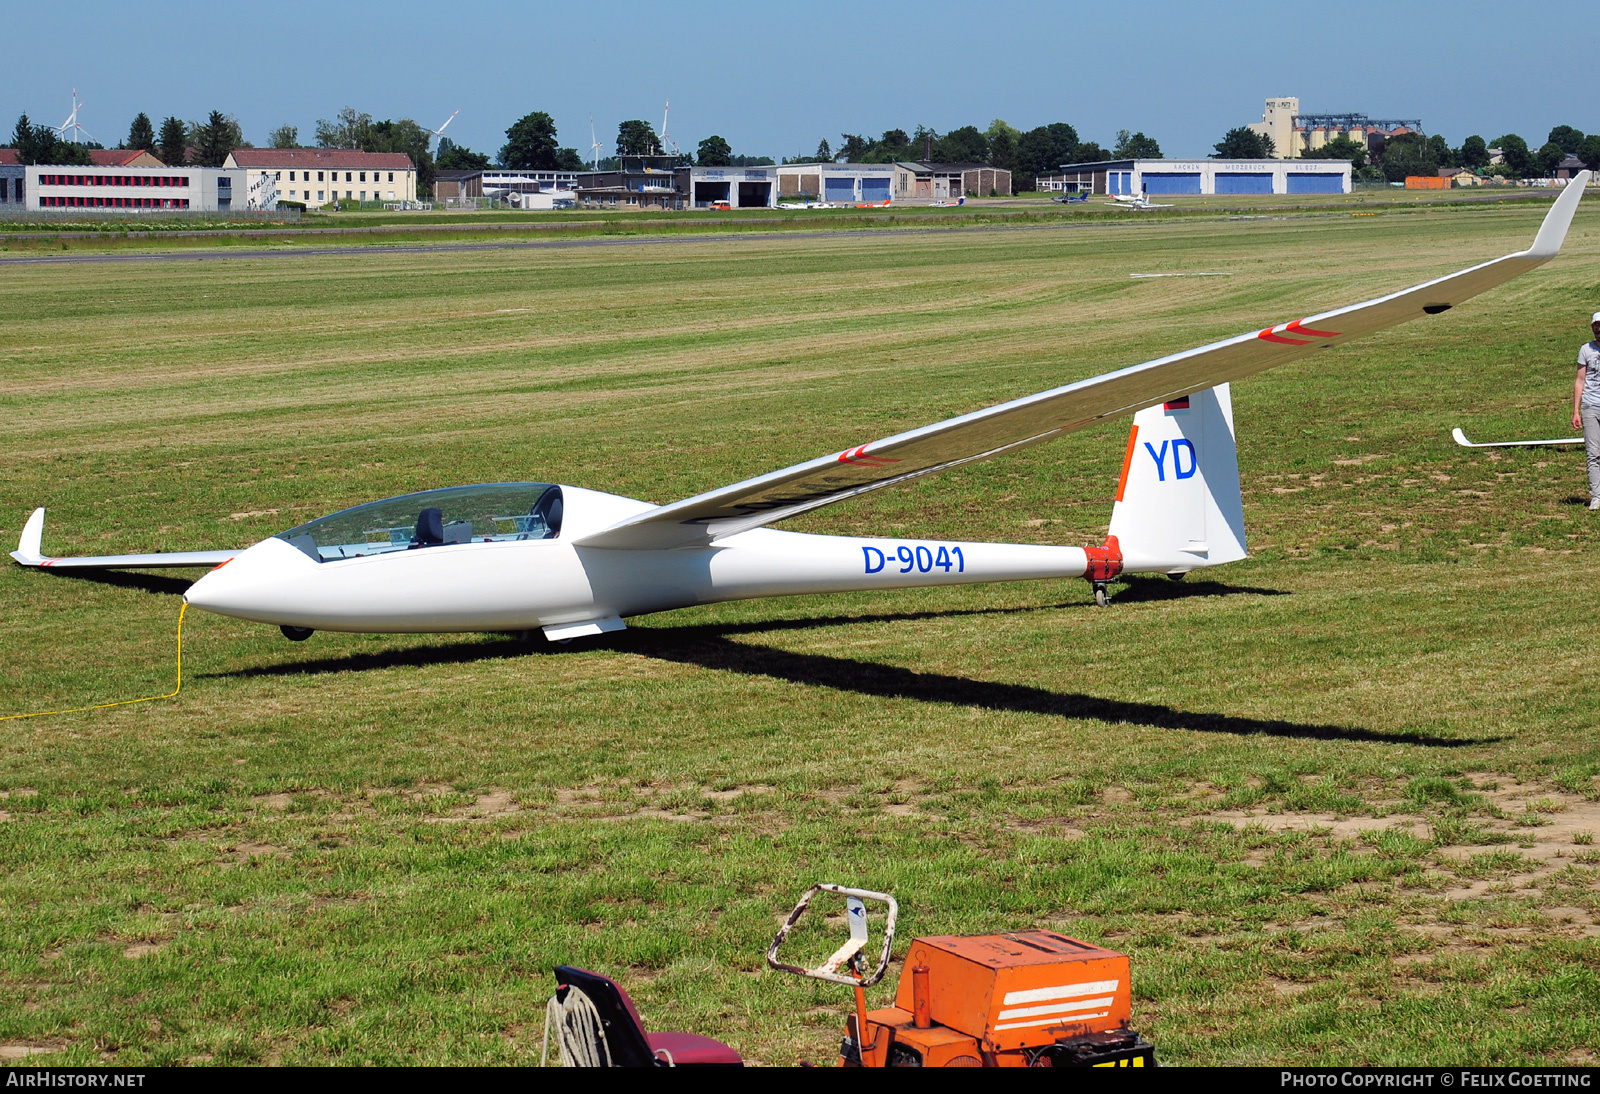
1023,999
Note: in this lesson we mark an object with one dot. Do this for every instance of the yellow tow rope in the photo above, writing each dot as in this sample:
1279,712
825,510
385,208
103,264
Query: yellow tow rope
123,702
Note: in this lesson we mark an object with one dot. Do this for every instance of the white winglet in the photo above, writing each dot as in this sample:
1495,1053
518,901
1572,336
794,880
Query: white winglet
27,551
1556,222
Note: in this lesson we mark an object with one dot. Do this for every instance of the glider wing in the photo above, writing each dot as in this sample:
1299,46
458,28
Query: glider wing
1050,414
28,553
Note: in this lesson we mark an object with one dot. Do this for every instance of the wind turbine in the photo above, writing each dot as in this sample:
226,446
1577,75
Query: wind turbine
440,131
71,124
594,144
668,145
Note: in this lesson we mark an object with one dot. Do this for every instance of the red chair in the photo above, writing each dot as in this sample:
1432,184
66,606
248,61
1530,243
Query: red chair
627,1042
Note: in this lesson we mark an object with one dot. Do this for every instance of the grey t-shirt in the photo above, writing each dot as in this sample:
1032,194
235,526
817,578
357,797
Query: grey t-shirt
1589,358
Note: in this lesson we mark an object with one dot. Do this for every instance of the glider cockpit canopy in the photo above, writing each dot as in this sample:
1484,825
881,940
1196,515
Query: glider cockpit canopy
495,512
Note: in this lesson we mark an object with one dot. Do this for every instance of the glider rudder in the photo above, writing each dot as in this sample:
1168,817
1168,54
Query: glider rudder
1178,506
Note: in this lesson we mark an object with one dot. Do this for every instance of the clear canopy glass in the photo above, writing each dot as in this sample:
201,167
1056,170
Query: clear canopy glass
495,512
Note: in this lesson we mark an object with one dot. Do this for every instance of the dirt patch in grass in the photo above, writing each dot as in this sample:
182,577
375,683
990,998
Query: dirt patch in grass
22,1052
1326,823
489,806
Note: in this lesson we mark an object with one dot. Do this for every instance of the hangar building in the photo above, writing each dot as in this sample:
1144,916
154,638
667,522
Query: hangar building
740,187
1206,176
851,183
844,183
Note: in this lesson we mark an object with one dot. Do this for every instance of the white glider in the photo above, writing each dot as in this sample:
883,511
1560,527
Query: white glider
1461,439
518,556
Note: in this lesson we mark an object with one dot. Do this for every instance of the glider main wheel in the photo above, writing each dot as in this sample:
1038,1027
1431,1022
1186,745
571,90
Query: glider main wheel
296,634
1101,596
1178,576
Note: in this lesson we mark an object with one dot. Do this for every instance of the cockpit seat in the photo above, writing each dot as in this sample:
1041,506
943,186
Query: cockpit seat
549,507
430,529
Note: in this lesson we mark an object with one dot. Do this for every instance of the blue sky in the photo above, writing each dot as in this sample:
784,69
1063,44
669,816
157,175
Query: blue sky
773,79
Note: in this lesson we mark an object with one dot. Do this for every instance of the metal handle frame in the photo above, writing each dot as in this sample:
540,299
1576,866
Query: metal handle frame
822,974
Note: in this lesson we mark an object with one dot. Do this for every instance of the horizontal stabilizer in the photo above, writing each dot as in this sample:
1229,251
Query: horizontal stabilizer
29,552
1059,411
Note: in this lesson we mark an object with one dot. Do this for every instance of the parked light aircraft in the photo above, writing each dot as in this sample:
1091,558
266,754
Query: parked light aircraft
572,562
1135,201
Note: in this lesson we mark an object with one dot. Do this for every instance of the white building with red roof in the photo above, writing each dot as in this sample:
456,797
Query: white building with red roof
321,176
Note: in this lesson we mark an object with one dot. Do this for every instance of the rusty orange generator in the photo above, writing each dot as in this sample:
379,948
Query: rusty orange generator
1022,999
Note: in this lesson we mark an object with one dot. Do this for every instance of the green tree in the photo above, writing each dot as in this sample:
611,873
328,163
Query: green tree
824,154
1341,147
1135,146
1569,139
1442,154
530,143
636,138
1243,143
1003,149
285,136
1589,152
567,159
1514,154
1547,159
1406,155
39,144
408,137
963,145
1089,152
214,138
854,148
347,129
999,126
1043,150
33,143
714,152
456,157
141,134
174,142
1473,153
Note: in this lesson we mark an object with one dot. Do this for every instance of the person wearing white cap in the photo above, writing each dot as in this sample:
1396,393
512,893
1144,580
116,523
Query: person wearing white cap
1586,407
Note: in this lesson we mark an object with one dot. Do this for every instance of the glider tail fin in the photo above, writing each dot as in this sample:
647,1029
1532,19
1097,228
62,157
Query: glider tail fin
1178,506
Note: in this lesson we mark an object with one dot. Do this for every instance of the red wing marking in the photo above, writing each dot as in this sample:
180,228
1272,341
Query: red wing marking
1127,462
1296,328
1271,335
859,455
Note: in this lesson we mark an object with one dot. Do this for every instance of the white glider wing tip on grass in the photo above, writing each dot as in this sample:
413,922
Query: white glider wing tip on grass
1461,439
29,552
1009,426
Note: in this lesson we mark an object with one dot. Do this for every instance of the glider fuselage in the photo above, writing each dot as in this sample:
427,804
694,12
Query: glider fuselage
552,583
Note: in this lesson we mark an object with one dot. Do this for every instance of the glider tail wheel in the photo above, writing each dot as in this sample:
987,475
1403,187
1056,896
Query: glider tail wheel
296,634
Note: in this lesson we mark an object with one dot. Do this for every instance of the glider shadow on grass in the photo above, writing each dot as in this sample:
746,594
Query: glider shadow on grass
712,647
130,579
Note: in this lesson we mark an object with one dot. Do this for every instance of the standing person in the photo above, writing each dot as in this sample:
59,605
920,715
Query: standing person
1586,407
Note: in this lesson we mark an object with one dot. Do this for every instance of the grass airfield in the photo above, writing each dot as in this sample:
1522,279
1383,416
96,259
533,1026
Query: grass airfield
1339,803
